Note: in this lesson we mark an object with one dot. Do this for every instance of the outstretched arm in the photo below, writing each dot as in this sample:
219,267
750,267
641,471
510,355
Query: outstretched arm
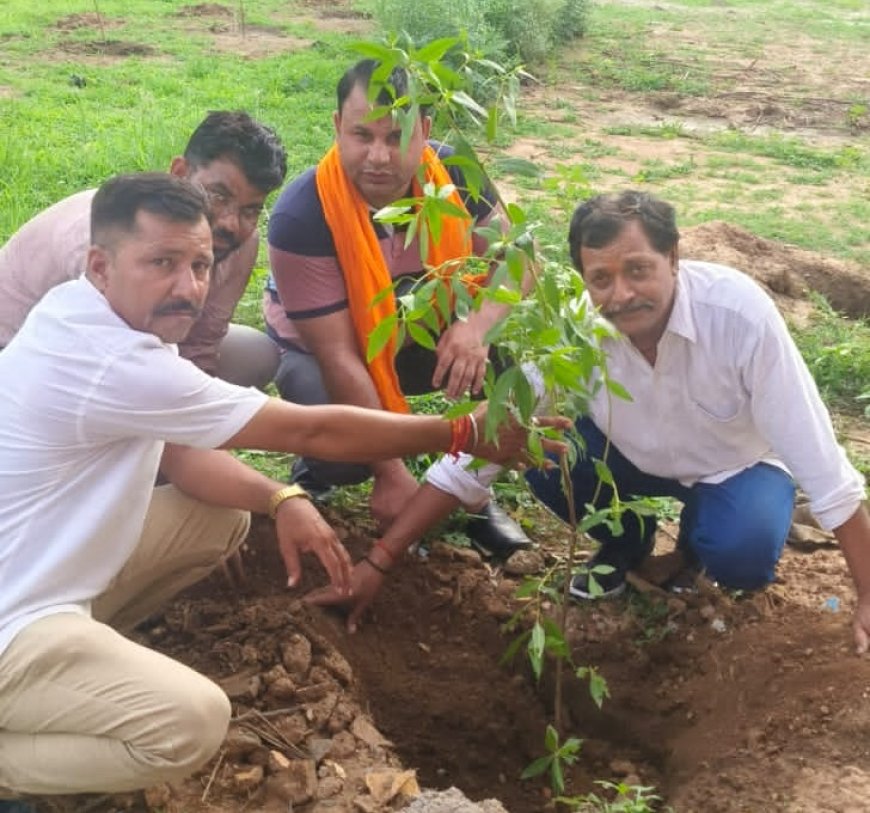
358,435
854,538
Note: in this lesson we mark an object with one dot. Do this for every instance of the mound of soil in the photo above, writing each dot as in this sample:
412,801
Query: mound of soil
724,704
786,271
89,19
118,48
205,10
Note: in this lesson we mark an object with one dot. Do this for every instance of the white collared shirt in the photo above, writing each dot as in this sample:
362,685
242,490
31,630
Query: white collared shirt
729,389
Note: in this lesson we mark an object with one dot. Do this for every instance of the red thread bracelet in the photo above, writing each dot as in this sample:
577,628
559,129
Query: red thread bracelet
379,545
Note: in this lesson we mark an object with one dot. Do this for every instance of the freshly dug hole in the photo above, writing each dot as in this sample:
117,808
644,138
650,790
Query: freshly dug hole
731,721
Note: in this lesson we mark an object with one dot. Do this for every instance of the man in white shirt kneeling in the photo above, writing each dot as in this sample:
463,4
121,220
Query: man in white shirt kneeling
724,412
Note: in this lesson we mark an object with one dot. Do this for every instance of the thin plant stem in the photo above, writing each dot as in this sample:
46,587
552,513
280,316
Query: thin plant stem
568,488
100,22
242,24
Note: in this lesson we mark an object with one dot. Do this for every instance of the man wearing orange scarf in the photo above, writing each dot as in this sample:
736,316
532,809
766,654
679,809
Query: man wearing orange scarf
329,258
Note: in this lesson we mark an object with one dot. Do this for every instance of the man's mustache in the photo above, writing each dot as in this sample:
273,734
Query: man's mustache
634,307
179,306
231,240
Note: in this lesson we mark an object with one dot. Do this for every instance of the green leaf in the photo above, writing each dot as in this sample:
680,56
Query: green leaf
433,51
551,739
539,766
518,166
557,778
618,390
461,97
598,688
513,648
516,214
505,296
379,337
536,649
372,50
391,214
491,124
602,471
420,335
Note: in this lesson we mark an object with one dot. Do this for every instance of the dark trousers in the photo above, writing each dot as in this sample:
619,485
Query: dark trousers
736,529
299,380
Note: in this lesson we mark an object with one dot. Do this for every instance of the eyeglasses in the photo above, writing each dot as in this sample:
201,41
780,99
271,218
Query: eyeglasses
221,204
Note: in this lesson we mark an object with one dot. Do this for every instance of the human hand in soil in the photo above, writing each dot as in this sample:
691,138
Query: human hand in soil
366,580
301,529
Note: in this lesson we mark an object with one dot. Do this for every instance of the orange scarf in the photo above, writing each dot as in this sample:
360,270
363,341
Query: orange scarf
362,262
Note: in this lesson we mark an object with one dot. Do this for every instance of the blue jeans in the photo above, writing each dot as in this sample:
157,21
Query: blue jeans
735,529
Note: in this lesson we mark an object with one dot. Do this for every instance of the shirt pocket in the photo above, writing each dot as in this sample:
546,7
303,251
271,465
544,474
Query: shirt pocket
724,410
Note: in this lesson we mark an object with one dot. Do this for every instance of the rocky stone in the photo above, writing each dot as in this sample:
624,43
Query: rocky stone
313,692
296,656
240,742
328,787
248,779
525,563
243,685
296,785
363,730
319,747
341,717
336,664
276,672
342,745
277,762
451,801
283,688
158,796
293,728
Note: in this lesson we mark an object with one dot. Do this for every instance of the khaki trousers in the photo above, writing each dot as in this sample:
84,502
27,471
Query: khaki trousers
84,709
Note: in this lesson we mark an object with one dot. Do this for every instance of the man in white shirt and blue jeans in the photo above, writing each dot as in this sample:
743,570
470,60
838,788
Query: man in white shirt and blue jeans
724,412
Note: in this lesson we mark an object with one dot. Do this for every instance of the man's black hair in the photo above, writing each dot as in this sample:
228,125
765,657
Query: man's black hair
599,220
120,199
235,136
361,74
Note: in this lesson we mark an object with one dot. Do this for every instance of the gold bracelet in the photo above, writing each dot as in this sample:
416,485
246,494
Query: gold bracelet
286,493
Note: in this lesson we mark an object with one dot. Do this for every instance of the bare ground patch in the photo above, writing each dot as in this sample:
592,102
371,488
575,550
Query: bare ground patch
255,41
205,10
90,19
106,48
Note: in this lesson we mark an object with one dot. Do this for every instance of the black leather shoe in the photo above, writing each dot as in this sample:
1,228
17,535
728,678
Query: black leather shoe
494,534
301,476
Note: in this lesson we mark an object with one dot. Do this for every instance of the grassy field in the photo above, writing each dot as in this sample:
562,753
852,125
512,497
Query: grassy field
750,111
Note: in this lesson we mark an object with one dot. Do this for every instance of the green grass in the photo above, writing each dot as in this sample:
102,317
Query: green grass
136,113
837,352
71,119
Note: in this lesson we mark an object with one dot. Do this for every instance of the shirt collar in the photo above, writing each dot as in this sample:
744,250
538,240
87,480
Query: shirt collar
682,320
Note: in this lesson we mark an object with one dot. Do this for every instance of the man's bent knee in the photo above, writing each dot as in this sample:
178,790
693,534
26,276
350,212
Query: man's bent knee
193,732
